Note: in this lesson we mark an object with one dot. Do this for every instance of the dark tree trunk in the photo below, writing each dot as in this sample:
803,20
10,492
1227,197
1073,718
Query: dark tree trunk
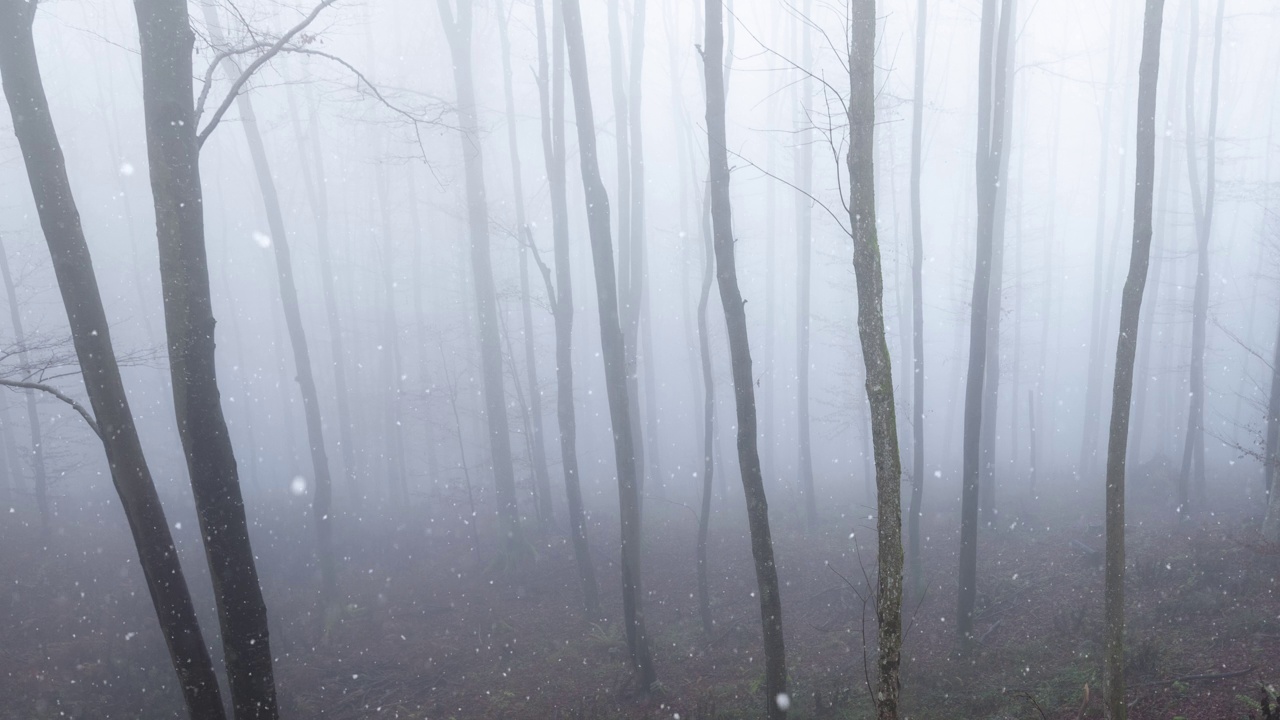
1126,350
458,31
611,341
321,502
875,354
91,335
1192,476
775,662
561,294
917,311
164,30
990,150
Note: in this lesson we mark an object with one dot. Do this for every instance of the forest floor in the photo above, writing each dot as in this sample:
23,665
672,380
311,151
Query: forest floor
423,633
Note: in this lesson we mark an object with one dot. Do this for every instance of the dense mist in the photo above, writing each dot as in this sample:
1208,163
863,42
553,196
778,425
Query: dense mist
523,358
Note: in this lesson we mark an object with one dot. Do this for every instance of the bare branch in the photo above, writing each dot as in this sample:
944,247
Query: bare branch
253,67
84,412
542,267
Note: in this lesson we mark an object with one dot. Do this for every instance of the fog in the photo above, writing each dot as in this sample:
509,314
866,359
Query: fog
433,608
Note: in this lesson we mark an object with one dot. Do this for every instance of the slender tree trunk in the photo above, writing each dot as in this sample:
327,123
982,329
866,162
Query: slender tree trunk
1126,350
917,309
708,415
1191,478
458,31
775,671
1271,452
36,453
91,336
542,477
804,272
389,352
875,354
990,151
561,295
612,351
321,502
164,30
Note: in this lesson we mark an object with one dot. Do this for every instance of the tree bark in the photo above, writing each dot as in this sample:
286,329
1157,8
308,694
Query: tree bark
166,39
775,671
561,294
321,502
1126,350
990,150
875,354
612,351
458,31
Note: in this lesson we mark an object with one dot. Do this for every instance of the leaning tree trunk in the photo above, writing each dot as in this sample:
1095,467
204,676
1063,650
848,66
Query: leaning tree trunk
321,500
612,351
91,336
1126,351
458,31
875,354
775,659
1202,211
990,149
39,478
561,294
917,312
164,30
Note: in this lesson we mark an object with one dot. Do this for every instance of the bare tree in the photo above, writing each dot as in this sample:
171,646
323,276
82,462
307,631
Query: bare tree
775,671
458,31
560,295
1202,210
91,335
1126,351
612,350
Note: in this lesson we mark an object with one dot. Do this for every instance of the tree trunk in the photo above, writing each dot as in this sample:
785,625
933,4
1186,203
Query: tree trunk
775,670
561,296
1202,210
917,310
389,352
875,354
804,273
458,32
39,478
321,502
1271,452
990,150
1126,350
542,477
164,30
708,415
91,335
612,351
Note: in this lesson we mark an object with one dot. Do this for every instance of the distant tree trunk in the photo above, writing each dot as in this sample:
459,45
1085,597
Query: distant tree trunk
1126,350
990,150
91,336
708,415
804,273
542,477
389,352
561,296
612,351
164,30
875,354
991,381
775,670
36,454
321,502
316,183
458,31
1202,211
917,310
1271,452
1097,316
